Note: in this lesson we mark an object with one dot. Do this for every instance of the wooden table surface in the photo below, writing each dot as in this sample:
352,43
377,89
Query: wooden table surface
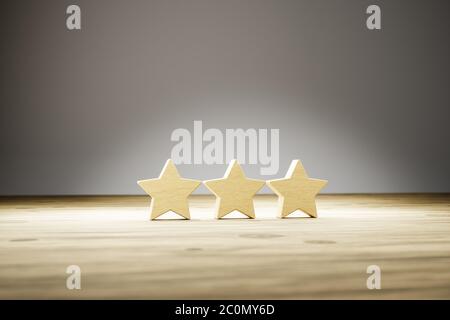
124,255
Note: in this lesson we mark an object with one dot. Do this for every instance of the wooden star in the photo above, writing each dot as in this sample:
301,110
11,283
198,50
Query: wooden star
234,191
296,191
169,192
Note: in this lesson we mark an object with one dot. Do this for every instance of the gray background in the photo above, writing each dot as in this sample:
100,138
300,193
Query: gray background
91,111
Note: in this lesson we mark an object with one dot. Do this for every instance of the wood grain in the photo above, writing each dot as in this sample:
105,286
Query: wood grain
123,255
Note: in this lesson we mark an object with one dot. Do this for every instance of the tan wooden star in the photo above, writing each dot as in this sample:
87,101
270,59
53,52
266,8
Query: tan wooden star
169,192
234,191
296,191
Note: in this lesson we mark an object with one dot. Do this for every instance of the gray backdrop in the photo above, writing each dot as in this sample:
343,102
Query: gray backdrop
91,111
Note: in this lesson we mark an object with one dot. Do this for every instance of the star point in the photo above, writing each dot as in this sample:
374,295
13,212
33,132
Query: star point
169,192
296,191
